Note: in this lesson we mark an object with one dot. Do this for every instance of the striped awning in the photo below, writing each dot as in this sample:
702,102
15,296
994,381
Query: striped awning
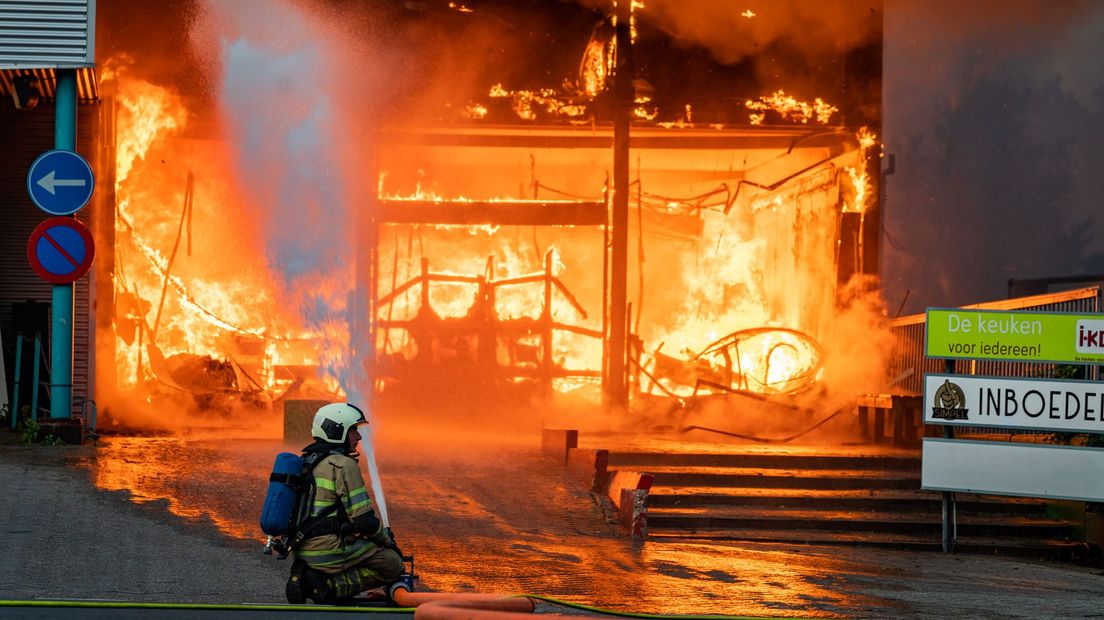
88,87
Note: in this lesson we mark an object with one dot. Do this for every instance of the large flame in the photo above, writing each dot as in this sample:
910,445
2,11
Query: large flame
860,180
527,103
175,302
790,108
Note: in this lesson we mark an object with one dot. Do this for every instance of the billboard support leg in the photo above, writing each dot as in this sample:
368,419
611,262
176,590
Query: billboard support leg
950,520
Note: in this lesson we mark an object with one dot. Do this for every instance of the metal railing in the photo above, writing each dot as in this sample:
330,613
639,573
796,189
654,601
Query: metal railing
39,358
909,363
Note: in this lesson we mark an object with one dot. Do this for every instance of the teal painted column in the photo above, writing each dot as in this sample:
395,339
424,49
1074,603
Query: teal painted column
61,323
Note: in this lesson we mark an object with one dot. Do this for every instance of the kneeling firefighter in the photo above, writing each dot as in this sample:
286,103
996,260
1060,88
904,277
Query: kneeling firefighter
343,547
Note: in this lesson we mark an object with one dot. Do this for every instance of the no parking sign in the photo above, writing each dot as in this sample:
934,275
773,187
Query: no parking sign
61,250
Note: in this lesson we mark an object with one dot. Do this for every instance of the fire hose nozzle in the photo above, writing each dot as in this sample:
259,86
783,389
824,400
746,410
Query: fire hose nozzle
402,584
405,583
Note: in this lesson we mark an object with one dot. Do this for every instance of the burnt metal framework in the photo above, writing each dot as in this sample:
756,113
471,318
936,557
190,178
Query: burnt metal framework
482,322
835,141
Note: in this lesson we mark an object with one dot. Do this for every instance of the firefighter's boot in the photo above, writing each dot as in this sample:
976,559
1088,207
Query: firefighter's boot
296,590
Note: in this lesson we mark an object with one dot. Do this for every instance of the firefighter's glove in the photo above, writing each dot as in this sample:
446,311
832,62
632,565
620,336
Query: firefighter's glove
347,529
384,539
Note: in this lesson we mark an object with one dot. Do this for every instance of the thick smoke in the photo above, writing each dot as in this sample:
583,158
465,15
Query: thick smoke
993,110
733,31
995,113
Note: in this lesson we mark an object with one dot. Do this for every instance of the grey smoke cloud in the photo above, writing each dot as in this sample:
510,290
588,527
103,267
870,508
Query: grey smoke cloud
994,111
736,29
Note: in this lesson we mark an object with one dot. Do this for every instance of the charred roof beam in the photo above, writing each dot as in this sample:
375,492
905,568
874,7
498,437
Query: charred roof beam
493,213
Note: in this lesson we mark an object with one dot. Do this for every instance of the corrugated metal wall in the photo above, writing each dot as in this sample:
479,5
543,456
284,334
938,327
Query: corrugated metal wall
910,363
46,33
23,136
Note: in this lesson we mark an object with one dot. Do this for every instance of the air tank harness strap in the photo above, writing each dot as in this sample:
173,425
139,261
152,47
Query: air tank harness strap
292,480
325,522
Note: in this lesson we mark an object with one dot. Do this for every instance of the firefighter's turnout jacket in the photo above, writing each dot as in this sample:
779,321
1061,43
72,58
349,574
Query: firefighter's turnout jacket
337,478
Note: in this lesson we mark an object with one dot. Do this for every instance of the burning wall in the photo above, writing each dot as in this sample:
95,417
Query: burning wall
199,319
251,229
223,296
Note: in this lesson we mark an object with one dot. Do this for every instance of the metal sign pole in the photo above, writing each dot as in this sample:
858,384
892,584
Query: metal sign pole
950,521
61,341
617,393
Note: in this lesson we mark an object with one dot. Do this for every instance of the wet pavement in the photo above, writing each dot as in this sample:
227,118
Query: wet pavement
481,514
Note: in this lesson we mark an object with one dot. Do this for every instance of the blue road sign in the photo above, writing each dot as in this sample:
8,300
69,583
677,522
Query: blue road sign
61,250
60,182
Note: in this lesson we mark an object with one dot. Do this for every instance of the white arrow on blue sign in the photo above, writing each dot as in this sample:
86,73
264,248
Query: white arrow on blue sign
60,182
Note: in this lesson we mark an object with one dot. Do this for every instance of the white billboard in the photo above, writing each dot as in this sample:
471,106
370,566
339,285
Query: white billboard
1023,403
1000,468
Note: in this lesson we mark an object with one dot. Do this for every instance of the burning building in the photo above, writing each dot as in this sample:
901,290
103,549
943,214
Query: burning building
461,243
730,229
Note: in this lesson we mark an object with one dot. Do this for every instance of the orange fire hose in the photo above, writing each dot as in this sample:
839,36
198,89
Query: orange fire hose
467,606
501,602
467,610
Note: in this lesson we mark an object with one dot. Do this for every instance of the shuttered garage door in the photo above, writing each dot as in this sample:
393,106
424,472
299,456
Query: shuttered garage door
25,134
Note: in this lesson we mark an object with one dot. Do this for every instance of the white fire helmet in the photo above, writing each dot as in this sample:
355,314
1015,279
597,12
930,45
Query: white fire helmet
332,422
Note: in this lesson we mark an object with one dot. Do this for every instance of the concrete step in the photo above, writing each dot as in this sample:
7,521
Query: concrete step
847,496
830,499
1053,548
839,479
898,523
642,461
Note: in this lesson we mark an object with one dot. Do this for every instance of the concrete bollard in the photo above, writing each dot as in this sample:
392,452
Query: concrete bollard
590,468
298,416
628,490
557,443
634,512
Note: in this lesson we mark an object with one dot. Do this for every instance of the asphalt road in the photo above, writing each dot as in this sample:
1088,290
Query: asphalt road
174,519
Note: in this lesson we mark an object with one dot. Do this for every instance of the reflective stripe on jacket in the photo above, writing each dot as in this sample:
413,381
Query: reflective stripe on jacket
337,478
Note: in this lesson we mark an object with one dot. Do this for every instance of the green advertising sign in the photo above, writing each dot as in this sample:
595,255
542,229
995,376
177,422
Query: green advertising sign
1015,336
